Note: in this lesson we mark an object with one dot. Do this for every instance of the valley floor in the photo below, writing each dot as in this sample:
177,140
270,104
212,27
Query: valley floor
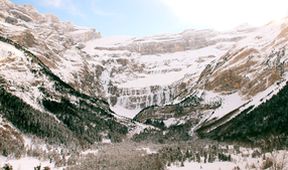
191,155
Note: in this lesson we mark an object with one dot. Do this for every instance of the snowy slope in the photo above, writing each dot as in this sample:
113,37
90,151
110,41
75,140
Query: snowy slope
34,96
23,83
134,73
141,72
140,80
238,69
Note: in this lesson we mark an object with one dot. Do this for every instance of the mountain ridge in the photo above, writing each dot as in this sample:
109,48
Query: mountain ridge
56,106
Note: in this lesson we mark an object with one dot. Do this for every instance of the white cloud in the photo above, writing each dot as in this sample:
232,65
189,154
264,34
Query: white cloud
225,14
67,5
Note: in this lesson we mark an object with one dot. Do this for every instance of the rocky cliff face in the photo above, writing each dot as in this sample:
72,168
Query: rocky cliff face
164,70
43,34
137,73
249,70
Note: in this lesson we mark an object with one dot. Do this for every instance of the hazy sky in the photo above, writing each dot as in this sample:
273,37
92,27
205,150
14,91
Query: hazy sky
148,17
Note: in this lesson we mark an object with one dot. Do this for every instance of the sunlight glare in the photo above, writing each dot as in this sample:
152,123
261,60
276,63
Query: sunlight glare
226,14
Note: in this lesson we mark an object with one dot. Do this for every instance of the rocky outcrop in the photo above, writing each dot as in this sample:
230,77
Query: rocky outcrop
187,40
248,72
45,35
20,15
84,35
138,98
26,38
11,20
192,109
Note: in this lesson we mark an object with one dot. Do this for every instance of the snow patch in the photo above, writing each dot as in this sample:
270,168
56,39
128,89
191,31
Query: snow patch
120,110
204,166
147,150
90,151
26,163
106,141
173,121
229,103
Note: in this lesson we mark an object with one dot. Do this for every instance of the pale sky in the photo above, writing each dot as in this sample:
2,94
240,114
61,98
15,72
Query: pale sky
226,14
148,17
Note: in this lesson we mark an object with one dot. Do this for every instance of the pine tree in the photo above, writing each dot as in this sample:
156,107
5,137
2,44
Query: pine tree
7,167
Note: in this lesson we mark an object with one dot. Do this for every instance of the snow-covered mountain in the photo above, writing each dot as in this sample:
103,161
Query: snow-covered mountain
249,71
34,100
135,73
64,88
199,75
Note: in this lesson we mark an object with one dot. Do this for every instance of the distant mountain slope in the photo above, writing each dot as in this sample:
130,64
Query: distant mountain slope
37,102
267,123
